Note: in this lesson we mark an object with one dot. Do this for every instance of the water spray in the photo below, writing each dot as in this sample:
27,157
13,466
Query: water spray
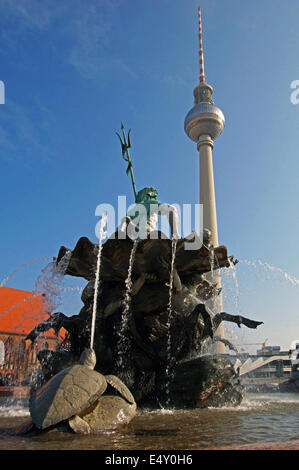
102,236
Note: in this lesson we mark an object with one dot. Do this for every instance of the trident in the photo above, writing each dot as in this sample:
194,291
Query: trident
125,145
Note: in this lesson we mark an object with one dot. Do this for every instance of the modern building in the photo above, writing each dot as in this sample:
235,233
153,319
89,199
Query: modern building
277,365
270,367
268,351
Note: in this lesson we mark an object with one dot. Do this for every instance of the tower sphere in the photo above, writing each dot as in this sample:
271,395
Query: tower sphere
204,118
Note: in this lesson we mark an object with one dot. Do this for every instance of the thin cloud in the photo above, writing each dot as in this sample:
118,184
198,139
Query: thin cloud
20,136
32,13
84,26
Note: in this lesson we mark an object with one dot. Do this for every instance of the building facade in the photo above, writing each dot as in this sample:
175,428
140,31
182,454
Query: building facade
20,312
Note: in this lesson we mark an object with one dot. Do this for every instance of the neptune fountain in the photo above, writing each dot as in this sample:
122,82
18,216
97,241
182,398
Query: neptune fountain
145,315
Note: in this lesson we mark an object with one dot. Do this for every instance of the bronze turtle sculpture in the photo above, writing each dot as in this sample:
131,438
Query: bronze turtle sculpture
75,395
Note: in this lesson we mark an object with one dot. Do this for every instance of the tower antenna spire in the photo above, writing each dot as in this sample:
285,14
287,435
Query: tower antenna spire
202,77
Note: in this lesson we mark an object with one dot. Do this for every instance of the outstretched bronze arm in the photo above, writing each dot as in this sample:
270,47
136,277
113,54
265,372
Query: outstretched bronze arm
211,324
238,319
226,343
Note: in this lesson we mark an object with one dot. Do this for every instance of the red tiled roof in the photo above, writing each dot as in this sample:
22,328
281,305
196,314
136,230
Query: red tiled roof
21,311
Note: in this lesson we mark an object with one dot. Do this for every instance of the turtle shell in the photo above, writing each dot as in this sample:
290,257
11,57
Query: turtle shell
122,389
111,411
68,393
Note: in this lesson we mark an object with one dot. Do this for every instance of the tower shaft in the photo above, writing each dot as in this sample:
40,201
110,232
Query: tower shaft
207,187
208,200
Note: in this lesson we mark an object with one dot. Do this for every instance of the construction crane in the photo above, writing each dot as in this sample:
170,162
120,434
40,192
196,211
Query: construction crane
255,344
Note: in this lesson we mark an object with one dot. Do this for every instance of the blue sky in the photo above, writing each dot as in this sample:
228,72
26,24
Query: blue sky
73,70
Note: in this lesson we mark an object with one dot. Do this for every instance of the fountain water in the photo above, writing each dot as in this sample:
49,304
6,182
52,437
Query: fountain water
22,266
252,279
169,356
102,236
237,293
47,286
149,342
50,280
212,261
33,311
123,343
270,269
49,283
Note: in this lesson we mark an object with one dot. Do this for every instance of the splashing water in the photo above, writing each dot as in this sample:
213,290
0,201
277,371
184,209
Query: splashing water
14,408
239,280
50,280
34,260
48,285
237,295
272,270
168,371
77,289
123,344
212,259
102,236
262,271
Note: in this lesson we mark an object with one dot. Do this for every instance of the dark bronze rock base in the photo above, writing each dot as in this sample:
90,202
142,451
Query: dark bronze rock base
154,358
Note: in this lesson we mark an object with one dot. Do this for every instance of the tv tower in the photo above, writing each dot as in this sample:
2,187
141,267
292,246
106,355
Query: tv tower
203,124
